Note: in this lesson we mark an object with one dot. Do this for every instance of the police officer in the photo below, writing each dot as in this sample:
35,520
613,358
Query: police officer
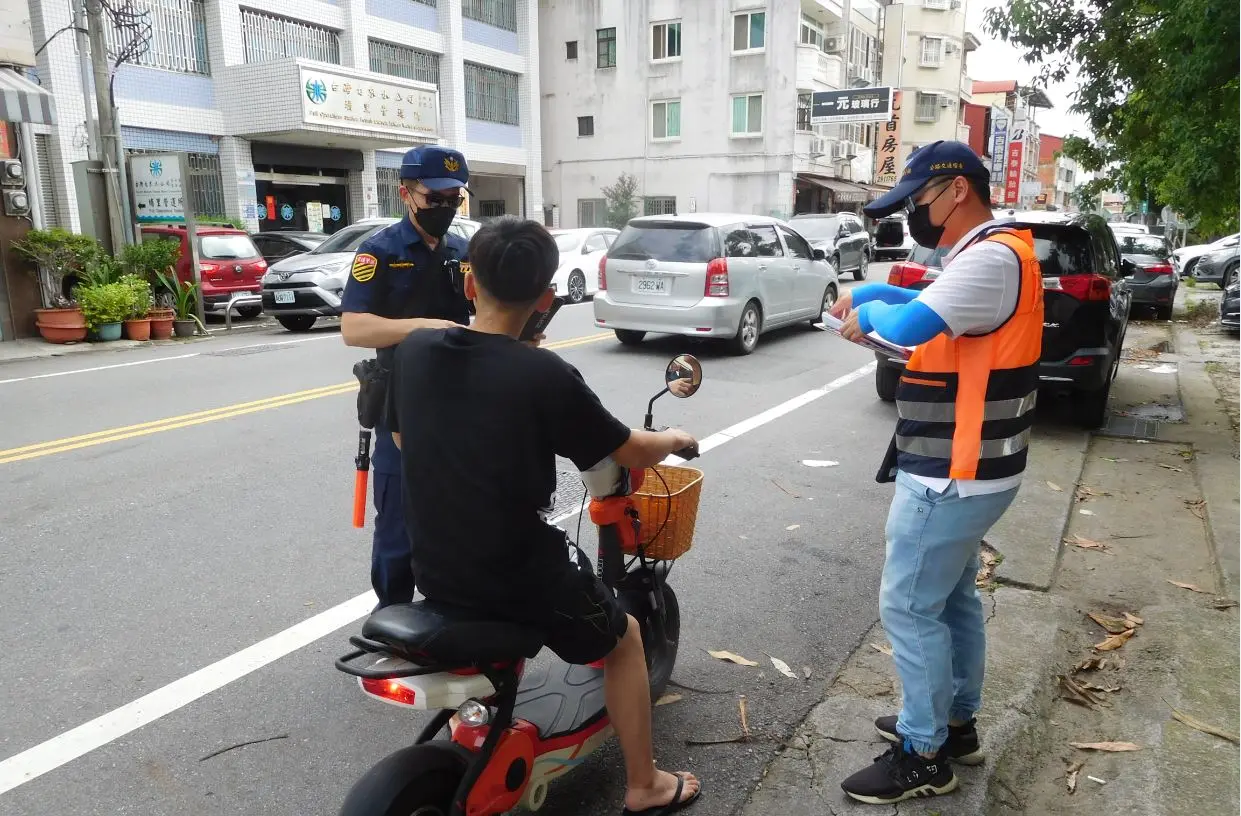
405,277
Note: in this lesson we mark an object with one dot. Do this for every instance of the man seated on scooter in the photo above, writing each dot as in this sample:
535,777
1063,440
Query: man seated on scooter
480,417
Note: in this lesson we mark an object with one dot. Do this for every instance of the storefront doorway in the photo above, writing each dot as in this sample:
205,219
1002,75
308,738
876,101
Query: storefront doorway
303,188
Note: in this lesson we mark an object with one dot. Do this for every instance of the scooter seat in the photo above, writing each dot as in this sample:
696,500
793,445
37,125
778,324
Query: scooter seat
433,633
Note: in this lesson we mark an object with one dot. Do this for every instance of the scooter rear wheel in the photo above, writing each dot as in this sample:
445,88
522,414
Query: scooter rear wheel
415,781
661,654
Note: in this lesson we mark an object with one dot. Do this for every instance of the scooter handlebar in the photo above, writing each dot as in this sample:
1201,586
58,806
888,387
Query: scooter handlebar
687,453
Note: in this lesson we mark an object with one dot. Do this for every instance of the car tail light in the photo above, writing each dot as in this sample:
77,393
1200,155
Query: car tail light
260,264
603,273
206,267
906,274
390,690
1159,269
1082,287
1082,361
717,278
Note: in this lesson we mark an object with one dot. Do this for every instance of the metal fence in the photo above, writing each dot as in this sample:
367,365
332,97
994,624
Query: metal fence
402,61
499,13
388,184
268,37
491,95
178,36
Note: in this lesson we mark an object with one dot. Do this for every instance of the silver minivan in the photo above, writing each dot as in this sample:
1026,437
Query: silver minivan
711,275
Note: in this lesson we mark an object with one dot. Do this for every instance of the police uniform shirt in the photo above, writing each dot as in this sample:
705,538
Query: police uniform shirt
396,275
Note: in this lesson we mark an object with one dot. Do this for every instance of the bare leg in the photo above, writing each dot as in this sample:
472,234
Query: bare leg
629,708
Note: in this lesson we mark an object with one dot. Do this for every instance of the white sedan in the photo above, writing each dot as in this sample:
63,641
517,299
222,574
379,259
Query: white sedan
580,251
1185,257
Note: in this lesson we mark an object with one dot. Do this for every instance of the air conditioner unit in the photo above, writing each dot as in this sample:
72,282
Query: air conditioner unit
817,147
949,49
833,45
840,150
945,102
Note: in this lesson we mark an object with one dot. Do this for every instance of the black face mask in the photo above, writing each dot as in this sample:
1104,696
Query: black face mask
435,221
921,229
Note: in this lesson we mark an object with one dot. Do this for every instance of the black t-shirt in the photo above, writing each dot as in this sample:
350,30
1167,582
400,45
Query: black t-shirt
482,418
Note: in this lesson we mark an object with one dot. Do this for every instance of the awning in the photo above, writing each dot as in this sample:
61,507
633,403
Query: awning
843,192
23,101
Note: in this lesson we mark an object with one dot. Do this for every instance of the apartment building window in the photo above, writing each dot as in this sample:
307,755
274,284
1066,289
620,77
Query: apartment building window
811,32
666,119
666,41
570,50
47,191
592,212
804,102
491,208
749,31
585,126
268,37
491,95
605,44
206,183
178,36
659,205
402,61
861,50
499,13
388,184
927,108
747,115
932,52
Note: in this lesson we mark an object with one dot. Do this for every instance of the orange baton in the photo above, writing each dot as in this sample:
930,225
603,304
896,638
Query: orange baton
363,464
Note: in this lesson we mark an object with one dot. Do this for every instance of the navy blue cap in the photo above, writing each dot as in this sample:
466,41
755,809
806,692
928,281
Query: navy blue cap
437,167
934,160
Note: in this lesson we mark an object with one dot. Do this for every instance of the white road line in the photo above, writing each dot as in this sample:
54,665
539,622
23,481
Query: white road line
161,359
68,746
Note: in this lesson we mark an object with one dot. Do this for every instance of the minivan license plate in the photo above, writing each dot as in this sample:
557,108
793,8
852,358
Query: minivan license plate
650,286
286,297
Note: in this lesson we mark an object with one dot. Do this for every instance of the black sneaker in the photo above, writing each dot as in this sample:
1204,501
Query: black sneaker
962,744
899,775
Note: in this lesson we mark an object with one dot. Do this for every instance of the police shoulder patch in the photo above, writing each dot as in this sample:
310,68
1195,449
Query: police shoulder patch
364,266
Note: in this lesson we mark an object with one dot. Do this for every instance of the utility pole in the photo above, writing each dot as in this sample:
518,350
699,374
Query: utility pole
84,51
107,124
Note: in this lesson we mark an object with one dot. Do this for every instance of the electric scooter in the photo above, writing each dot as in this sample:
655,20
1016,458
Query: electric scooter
503,731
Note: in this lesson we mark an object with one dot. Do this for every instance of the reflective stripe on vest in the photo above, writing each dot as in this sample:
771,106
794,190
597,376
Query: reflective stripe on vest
965,404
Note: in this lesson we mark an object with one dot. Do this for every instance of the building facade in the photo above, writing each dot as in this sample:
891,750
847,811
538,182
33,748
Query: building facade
706,104
1057,173
925,55
1014,172
282,105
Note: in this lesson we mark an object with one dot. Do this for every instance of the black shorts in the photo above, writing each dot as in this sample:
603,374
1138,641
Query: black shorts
585,622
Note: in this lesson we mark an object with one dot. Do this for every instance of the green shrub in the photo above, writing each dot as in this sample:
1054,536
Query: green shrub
140,291
148,259
57,253
105,303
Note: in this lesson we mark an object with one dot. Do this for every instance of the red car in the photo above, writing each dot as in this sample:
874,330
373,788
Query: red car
229,263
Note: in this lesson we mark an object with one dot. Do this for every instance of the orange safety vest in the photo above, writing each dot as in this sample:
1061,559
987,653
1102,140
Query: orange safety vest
965,404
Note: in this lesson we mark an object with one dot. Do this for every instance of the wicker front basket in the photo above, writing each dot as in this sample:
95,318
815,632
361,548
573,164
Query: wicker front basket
668,513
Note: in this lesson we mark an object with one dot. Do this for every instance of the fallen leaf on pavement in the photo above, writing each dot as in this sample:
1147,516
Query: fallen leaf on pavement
1197,507
792,527
1085,543
1172,468
883,648
1134,619
1086,512
1097,779
731,658
1070,777
1073,693
1110,747
819,463
785,489
1195,723
1224,603
1096,687
668,699
1114,642
1090,664
782,667
1055,487
1114,626
1190,587
1110,459
1085,493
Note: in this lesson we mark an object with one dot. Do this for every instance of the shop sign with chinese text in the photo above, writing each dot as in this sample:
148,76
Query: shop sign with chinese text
851,105
158,192
329,98
888,147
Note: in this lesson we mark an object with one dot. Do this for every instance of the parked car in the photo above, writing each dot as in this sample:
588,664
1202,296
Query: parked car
1086,307
276,246
1230,308
228,263
1185,258
1153,282
711,275
1119,227
299,290
841,236
580,251
1218,266
892,239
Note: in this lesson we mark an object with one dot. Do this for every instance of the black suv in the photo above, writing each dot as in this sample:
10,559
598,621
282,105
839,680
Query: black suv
1085,302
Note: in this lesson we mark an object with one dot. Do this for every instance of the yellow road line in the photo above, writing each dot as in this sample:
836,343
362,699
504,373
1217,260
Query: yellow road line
66,444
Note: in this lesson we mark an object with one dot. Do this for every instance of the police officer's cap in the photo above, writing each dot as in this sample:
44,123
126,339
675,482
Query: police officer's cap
942,158
437,167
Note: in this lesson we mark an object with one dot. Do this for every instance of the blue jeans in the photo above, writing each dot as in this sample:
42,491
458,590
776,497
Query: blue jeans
930,607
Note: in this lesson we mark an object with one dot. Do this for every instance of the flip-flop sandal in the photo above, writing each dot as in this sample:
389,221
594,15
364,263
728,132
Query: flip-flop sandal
673,806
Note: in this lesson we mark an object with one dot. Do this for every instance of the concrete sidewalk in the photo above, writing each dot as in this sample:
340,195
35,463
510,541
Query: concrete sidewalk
1165,508
16,351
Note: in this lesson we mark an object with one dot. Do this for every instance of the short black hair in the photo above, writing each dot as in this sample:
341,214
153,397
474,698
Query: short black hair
981,187
514,259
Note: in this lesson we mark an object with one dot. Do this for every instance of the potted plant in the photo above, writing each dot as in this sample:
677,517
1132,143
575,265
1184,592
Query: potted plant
154,261
138,322
187,320
104,306
56,254
164,310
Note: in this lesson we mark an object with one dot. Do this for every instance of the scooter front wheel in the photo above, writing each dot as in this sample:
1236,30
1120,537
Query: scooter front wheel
661,653
415,781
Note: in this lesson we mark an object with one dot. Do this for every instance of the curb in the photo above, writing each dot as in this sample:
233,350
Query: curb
50,351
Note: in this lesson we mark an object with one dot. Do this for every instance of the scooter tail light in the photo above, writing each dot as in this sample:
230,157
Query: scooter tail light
391,690
717,278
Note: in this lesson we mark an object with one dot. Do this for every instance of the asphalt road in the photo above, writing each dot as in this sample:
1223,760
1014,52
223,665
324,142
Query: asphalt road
165,509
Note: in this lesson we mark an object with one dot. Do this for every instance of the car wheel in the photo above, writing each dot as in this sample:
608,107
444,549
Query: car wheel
575,289
1229,275
887,378
249,312
629,337
863,265
835,260
748,329
1090,407
829,300
297,323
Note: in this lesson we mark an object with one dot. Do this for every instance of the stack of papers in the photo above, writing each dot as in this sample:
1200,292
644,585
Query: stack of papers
871,341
